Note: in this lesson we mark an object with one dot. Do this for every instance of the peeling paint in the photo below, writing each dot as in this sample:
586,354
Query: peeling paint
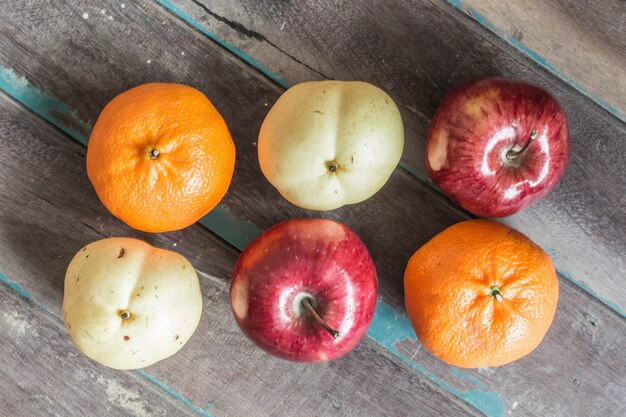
124,398
235,231
391,327
17,324
469,377
15,286
50,108
173,393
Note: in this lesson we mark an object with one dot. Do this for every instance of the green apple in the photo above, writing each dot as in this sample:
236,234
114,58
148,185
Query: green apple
325,144
128,304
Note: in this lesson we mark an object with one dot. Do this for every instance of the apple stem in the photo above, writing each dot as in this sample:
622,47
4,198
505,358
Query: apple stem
306,303
511,154
494,291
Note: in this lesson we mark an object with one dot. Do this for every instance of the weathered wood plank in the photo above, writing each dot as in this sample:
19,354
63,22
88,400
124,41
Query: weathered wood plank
43,374
49,211
581,41
585,206
220,355
419,50
387,223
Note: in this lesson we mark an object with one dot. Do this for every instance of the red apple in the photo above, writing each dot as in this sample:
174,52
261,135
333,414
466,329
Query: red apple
305,290
496,145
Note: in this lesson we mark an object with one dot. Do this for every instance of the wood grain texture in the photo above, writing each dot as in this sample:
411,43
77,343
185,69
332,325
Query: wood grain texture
404,215
44,375
584,41
417,51
50,211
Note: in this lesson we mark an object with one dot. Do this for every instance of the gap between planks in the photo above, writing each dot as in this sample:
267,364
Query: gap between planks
243,239
385,353
388,327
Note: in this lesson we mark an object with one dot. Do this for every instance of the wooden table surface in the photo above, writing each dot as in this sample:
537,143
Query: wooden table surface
62,61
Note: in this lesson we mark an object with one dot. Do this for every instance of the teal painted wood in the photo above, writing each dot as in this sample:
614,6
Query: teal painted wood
50,108
417,73
239,233
44,190
391,330
398,342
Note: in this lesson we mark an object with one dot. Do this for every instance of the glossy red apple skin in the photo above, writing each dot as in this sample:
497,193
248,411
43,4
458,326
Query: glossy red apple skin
472,131
320,258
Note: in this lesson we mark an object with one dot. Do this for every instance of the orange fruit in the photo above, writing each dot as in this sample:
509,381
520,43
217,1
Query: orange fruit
160,157
480,294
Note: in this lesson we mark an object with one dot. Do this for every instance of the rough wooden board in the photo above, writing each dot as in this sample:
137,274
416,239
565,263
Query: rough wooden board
584,41
232,87
44,222
409,230
581,359
417,51
42,374
588,206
